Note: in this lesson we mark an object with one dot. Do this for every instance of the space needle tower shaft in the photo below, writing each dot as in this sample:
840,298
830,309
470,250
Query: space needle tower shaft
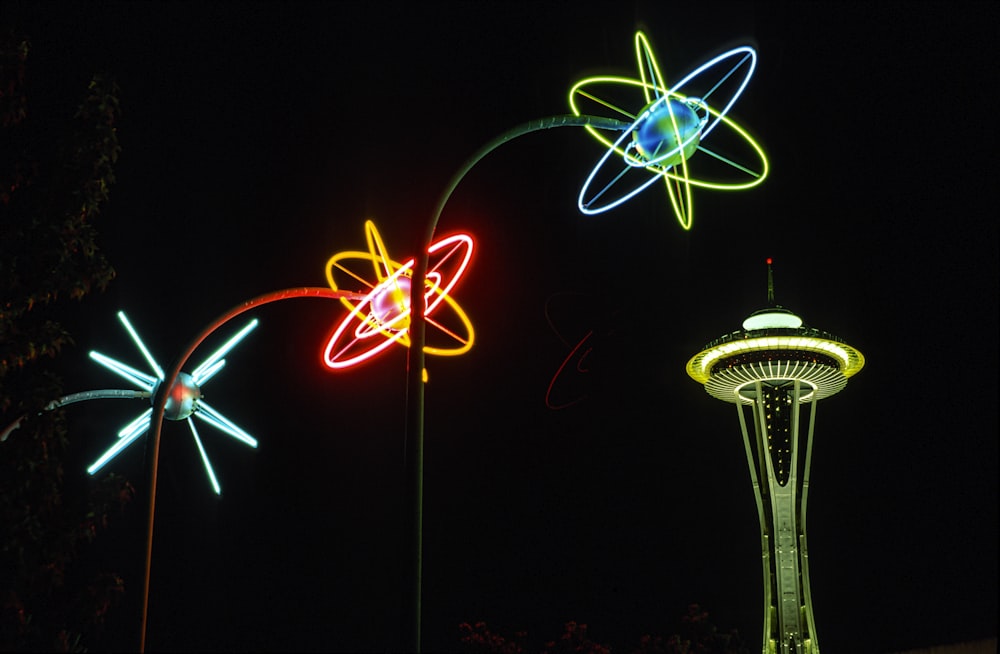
772,370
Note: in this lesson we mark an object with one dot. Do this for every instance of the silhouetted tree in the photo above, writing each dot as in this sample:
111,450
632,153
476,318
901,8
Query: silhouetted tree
54,178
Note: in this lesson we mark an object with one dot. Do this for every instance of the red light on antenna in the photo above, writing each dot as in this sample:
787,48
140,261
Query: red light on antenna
769,261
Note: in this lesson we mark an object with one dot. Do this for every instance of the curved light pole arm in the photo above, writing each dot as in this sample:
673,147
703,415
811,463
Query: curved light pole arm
107,393
414,445
160,404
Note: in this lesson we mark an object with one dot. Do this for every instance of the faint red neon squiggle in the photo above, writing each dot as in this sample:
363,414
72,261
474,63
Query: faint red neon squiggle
562,366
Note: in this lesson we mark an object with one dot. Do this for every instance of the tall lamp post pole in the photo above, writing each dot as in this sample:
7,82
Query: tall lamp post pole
159,409
414,445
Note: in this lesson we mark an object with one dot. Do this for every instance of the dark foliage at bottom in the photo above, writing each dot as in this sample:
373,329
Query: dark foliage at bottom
695,635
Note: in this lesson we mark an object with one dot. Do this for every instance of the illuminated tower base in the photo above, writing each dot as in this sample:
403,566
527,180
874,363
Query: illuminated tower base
771,369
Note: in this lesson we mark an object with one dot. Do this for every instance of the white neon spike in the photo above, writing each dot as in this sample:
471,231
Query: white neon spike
203,376
119,445
138,341
146,418
220,422
204,458
140,379
221,352
137,429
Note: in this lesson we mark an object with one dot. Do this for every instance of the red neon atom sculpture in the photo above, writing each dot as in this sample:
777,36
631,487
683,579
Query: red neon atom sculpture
382,317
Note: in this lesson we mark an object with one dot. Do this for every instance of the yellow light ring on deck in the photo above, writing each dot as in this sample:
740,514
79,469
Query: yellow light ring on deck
850,360
818,380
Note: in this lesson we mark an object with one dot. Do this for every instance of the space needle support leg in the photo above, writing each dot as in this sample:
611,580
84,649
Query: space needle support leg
414,443
751,464
159,408
804,553
762,519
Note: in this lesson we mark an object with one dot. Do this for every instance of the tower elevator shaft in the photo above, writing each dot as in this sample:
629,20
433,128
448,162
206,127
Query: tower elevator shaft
779,457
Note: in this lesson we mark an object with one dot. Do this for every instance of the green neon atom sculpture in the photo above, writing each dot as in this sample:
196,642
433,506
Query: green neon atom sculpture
669,125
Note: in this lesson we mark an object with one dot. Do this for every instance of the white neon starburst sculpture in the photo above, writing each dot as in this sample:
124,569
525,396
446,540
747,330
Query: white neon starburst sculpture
184,398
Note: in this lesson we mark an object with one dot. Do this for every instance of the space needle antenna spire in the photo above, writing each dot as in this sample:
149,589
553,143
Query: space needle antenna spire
770,284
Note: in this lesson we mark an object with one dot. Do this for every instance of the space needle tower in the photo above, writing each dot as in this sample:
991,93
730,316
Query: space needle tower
771,369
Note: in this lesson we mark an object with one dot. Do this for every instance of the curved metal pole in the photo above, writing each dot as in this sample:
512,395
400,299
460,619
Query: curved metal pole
103,394
161,403
414,445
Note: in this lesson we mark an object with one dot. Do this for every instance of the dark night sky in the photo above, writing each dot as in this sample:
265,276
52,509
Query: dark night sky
257,138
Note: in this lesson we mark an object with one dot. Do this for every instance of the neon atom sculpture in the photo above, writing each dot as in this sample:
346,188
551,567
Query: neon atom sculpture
382,317
771,368
668,126
184,399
